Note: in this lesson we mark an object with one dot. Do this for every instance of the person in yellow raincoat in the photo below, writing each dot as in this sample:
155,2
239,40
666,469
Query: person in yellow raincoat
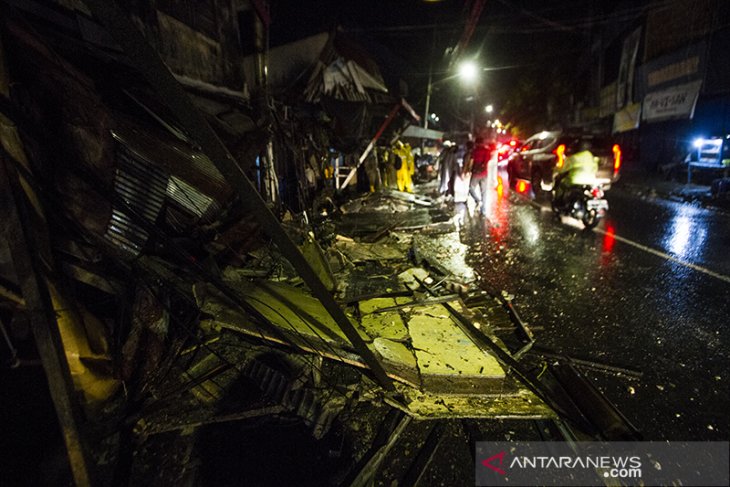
411,160
405,166
577,170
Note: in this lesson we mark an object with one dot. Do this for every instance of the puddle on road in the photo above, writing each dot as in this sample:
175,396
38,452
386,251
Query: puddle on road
685,233
596,299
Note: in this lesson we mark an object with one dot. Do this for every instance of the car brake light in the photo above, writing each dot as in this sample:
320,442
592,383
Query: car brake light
560,153
513,143
616,157
521,186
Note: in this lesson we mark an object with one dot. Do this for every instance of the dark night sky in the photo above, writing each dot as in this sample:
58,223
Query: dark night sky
513,39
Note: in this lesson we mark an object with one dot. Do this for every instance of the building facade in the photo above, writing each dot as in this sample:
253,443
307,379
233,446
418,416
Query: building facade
659,79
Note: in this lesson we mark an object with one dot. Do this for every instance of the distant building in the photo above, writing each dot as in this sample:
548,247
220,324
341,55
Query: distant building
657,78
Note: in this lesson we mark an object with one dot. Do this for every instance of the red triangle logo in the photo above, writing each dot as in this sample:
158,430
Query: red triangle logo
488,462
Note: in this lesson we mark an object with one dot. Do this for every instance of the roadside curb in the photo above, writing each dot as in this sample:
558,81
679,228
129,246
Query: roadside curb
677,194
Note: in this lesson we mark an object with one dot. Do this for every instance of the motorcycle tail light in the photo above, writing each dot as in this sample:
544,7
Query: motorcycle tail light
616,158
560,153
597,192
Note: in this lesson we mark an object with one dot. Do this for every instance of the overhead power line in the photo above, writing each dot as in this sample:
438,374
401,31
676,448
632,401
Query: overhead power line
512,24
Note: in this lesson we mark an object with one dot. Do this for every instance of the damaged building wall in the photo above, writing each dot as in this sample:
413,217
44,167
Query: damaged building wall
98,151
197,39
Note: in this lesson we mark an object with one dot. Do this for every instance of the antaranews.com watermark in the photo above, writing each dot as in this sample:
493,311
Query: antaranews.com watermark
602,463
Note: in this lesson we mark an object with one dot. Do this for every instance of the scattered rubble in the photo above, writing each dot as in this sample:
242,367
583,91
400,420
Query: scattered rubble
167,297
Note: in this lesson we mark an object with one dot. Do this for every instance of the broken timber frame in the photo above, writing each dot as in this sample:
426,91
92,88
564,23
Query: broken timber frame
371,145
39,307
25,247
158,76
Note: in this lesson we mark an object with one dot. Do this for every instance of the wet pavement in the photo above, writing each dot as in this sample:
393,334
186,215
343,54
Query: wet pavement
697,191
648,289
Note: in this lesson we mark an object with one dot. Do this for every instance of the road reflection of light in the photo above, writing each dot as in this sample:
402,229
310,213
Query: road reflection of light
569,221
609,238
529,226
686,236
499,219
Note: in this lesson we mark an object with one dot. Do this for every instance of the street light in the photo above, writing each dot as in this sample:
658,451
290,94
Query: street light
468,72
489,108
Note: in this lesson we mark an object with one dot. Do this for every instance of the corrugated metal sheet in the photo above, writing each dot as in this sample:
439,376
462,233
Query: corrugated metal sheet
124,234
143,187
318,414
173,157
191,199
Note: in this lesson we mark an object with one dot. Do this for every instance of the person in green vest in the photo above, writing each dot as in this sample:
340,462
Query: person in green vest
575,170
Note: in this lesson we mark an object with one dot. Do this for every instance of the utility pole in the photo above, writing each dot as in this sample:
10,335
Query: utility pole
429,90
428,98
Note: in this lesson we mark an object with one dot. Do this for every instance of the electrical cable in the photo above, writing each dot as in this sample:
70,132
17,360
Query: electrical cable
500,24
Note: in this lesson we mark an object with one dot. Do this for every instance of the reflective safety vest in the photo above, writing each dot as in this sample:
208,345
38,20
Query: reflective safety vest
581,168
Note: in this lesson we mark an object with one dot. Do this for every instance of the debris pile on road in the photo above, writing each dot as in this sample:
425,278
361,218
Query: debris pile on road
167,295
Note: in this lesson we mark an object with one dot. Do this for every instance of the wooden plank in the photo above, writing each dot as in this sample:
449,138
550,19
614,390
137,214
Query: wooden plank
414,474
27,261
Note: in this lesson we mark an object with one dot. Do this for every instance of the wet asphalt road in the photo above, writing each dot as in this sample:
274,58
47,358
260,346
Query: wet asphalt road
649,289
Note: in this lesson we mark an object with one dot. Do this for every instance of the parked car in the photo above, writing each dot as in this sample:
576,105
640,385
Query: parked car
540,153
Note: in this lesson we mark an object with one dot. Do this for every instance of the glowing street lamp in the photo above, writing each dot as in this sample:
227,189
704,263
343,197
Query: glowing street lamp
468,72
489,108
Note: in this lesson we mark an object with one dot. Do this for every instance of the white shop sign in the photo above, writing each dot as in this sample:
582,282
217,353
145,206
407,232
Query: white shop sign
677,102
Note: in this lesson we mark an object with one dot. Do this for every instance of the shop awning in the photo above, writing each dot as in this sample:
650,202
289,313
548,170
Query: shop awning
422,133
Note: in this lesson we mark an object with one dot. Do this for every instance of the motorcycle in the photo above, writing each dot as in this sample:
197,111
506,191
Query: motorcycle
586,203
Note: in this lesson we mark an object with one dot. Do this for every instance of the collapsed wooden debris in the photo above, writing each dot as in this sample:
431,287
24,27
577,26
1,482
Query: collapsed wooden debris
165,296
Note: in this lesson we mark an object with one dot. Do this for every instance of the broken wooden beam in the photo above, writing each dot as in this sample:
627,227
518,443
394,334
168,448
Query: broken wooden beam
408,197
589,364
425,455
171,93
392,427
418,302
224,418
609,421
22,242
371,145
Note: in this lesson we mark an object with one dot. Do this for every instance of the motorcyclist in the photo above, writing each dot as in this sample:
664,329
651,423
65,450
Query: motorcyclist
577,169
